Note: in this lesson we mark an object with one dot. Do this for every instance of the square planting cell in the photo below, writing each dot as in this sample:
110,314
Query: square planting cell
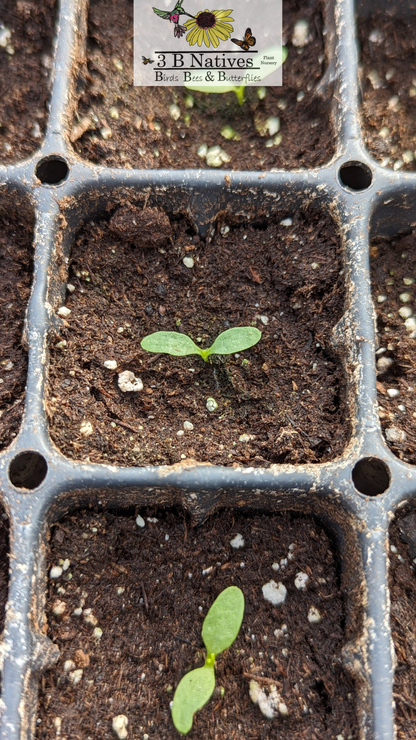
4,564
26,35
393,274
402,583
127,608
283,400
388,84
16,265
150,127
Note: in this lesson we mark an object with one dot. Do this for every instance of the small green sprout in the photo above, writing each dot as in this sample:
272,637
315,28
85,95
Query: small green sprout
180,345
219,630
238,90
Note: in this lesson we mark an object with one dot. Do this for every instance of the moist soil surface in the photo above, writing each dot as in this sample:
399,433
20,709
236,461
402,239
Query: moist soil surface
393,266
402,583
146,589
283,400
24,75
388,84
15,282
145,135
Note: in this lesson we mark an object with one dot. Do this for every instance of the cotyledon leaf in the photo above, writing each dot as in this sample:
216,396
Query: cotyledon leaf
223,621
170,343
235,340
192,693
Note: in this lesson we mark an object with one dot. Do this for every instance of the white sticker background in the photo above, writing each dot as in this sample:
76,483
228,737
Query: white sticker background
163,54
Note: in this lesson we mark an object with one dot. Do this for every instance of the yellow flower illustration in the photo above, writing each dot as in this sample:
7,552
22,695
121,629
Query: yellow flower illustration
209,27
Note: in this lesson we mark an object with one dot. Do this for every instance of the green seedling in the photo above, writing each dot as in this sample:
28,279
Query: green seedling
219,630
238,90
180,345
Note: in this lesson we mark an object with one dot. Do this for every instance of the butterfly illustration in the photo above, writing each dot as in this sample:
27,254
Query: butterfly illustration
147,61
249,40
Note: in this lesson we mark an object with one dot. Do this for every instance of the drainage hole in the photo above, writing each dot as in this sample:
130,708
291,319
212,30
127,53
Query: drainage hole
371,476
355,175
28,470
52,170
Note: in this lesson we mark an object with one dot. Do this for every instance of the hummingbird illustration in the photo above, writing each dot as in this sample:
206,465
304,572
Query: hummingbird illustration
173,16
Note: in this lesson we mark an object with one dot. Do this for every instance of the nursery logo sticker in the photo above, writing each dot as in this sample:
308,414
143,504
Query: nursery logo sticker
187,44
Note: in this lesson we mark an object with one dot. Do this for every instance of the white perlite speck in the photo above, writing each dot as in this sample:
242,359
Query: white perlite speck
75,676
86,428
188,426
63,312
314,616
202,151
110,364
140,521
270,704
410,324
300,33
393,434
286,222
237,542
174,112
58,609
384,364
5,35
246,437
376,36
188,262
57,723
216,156
393,392
90,618
274,592
55,572
119,725
405,312
301,581
127,382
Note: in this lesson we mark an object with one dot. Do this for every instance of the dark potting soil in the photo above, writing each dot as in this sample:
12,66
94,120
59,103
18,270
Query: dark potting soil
402,581
393,266
283,400
388,83
145,135
149,588
15,282
25,68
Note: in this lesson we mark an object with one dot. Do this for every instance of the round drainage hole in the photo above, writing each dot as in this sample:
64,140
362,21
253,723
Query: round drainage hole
355,175
371,476
52,170
28,470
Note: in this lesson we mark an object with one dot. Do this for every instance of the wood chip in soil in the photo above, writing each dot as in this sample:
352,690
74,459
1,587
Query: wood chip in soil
402,584
393,267
148,589
25,69
388,83
16,265
282,401
143,134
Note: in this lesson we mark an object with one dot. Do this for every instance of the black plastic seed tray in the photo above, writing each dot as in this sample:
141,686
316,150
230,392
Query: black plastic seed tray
356,495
